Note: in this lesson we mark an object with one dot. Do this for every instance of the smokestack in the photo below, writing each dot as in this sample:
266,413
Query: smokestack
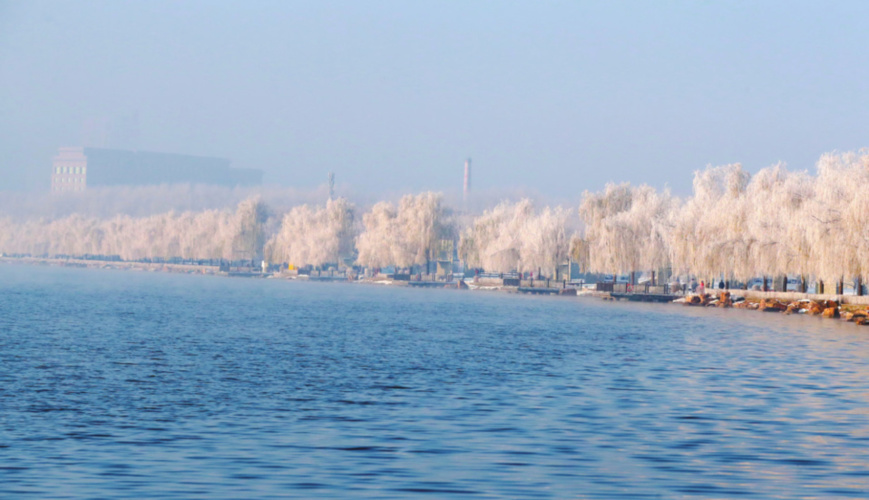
466,193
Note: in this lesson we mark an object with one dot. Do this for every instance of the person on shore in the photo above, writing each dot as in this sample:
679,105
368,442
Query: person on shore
702,288
721,285
693,285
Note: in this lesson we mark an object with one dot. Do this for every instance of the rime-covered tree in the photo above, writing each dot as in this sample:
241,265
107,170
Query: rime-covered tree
407,235
627,229
710,231
249,238
315,235
515,237
544,242
493,242
376,244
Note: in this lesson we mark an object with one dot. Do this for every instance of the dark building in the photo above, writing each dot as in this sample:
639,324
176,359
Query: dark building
76,168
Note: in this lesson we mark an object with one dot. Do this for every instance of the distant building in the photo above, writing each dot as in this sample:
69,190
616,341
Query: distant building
76,168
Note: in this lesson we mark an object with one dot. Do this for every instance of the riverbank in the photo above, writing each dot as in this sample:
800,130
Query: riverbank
846,307
119,265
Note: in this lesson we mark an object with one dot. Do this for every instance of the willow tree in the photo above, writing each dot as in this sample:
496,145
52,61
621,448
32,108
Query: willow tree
608,247
250,237
407,235
544,243
710,230
315,235
776,199
627,229
376,243
423,221
856,213
838,218
493,241
516,237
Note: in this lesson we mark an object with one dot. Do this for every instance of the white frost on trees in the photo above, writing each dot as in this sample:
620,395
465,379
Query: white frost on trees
773,223
627,229
210,234
710,232
514,237
407,235
315,236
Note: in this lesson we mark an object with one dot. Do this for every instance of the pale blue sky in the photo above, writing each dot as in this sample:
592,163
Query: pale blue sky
546,96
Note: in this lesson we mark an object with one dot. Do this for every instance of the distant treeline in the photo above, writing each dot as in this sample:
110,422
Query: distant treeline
737,225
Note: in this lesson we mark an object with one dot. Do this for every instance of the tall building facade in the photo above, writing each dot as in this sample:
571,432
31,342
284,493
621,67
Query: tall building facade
77,168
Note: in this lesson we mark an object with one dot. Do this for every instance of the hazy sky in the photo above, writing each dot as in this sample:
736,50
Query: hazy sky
552,97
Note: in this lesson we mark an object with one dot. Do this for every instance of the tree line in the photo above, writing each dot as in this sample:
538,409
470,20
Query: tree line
734,224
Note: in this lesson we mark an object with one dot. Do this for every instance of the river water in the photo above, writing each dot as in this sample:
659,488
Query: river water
151,385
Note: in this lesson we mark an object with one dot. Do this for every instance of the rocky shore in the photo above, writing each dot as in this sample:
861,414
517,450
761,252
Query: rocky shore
857,313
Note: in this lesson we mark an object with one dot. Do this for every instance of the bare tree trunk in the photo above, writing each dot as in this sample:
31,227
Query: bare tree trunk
859,286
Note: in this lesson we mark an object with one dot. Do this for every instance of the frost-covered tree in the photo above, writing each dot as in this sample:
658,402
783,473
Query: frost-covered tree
776,222
627,229
710,231
423,221
776,200
544,241
515,237
493,242
203,235
838,220
315,235
407,235
377,242
249,238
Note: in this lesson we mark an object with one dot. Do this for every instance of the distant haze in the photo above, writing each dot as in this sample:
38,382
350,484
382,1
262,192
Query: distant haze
546,97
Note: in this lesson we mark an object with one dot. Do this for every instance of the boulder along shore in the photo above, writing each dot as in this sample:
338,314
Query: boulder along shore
826,308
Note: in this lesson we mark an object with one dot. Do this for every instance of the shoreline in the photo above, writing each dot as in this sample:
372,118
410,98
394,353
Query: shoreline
851,308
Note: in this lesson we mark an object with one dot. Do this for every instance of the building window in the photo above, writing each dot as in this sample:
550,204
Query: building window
84,170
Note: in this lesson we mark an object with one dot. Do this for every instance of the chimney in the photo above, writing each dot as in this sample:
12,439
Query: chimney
466,192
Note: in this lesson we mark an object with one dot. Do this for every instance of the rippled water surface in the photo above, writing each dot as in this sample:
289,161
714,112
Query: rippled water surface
150,385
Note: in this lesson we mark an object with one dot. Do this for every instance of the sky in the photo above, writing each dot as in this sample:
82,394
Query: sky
545,96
